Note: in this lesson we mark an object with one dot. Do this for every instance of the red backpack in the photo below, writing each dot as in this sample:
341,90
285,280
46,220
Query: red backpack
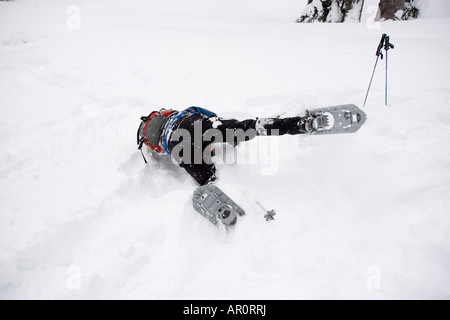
141,140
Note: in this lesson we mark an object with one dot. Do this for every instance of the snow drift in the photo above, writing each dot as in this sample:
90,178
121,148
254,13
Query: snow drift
359,216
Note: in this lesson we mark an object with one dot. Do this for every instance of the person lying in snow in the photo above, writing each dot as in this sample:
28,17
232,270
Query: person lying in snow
160,131
188,136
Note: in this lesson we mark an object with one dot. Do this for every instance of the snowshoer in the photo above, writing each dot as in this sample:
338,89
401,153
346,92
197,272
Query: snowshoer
188,135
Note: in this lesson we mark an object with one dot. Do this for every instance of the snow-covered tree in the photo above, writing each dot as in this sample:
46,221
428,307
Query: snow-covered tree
332,11
350,10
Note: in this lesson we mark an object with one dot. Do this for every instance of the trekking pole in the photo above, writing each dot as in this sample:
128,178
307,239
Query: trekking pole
269,213
378,54
387,47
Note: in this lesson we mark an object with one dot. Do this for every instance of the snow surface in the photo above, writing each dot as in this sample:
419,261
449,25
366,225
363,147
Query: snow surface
359,216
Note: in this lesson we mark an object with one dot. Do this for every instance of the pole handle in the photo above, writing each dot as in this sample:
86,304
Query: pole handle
381,45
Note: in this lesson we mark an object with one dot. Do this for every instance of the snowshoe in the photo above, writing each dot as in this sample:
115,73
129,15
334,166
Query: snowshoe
216,206
346,118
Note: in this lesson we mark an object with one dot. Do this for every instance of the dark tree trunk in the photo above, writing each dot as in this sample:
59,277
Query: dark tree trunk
388,8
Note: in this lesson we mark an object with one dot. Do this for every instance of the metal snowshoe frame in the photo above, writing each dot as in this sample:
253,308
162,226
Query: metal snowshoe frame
346,118
216,206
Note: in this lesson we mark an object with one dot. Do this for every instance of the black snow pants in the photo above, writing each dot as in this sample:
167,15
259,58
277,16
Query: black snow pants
203,171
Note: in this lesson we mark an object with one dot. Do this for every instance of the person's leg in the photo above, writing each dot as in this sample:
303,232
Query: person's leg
280,126
190,156
202,173
234,131
273,126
